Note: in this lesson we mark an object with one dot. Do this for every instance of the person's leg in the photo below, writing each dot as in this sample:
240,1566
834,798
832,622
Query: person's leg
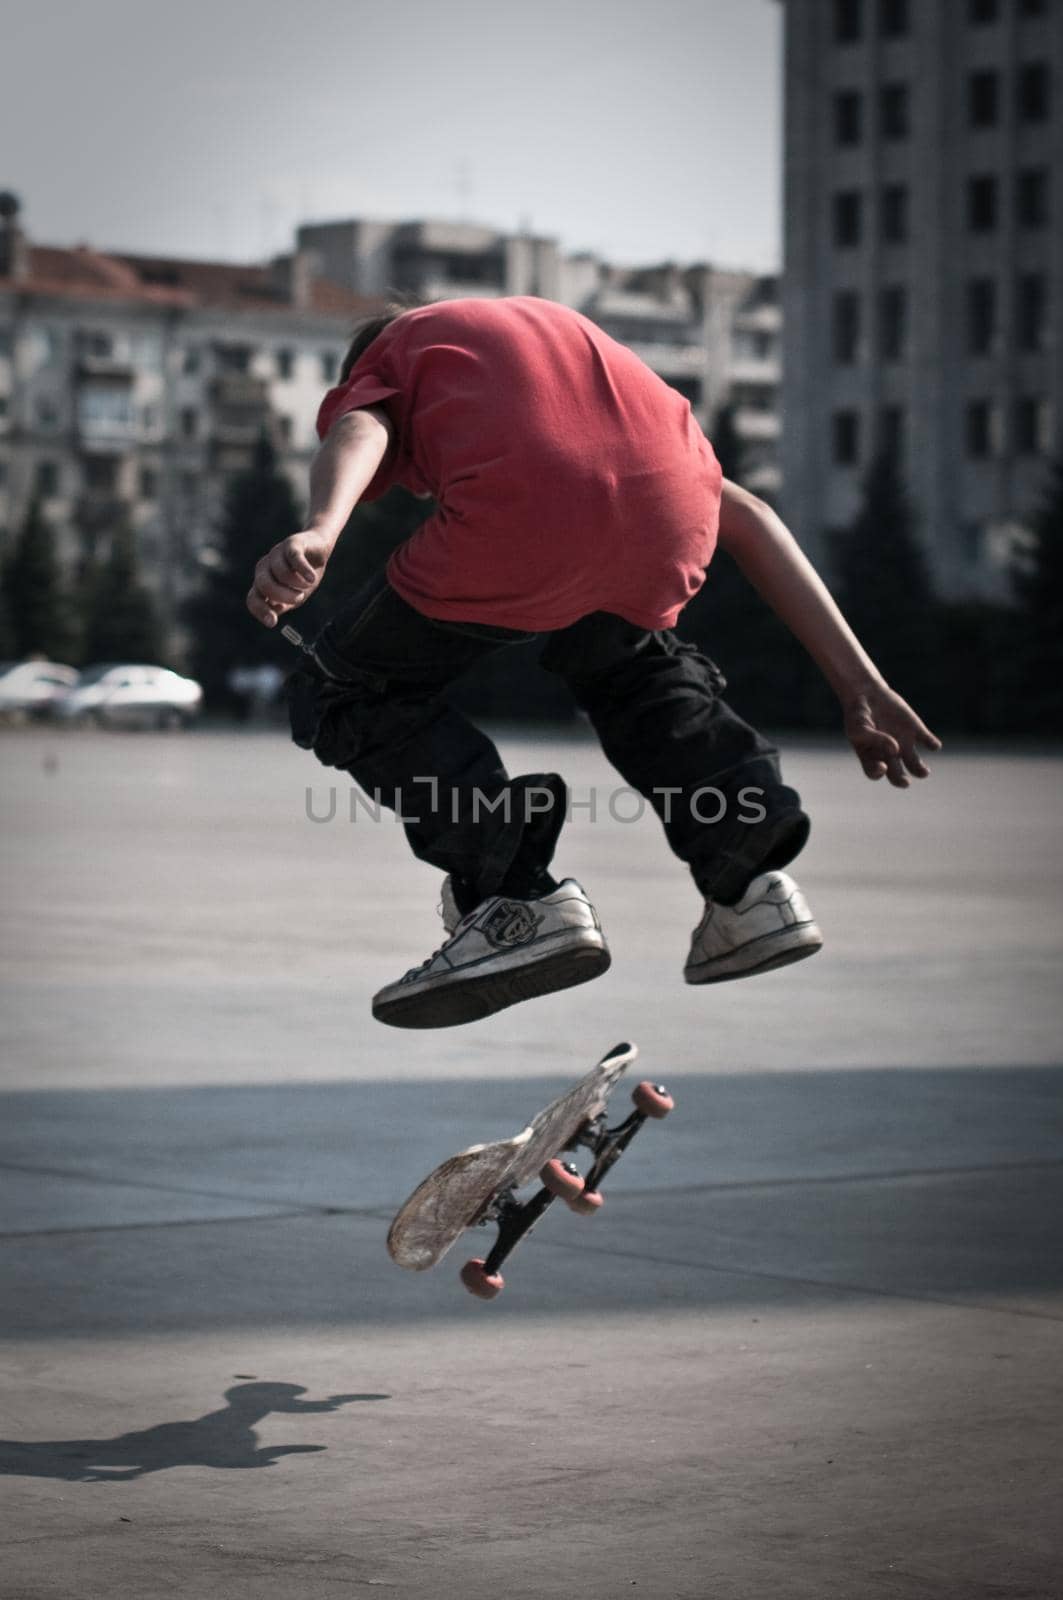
367,700
715,783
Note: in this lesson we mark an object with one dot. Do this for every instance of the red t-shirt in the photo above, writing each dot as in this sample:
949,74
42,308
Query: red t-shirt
568,477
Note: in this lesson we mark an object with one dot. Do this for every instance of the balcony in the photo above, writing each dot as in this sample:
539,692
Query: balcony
105,416
750,424
239,411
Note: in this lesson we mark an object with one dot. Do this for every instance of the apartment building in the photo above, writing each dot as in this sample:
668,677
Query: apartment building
923,284
132,388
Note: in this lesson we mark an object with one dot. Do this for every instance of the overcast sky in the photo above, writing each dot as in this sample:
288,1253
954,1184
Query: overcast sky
642,129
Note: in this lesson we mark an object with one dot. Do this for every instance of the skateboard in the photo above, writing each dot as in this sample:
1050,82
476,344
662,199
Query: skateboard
480,1186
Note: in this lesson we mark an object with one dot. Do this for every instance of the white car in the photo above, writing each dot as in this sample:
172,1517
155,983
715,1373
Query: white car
30,688
131,697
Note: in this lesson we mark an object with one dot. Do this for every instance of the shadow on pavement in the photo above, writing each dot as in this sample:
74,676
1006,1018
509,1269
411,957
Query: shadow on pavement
224,1439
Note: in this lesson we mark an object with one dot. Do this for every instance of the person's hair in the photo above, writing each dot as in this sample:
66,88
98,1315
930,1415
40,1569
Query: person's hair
372,327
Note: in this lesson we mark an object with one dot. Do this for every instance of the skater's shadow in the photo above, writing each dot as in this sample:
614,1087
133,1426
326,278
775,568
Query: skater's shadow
224,1438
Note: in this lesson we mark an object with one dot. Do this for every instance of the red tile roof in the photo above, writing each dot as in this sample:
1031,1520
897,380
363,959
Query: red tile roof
170,281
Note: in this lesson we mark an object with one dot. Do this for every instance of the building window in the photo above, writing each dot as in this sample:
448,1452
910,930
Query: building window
845,438
1031,311
894,213
95,346
893,18
848,218
982,203
982,10
149,483
3,407
1031,197
979,429
894,108
848,117
983,99
1031,426
891,432
1032,8
285,363
329,365
848,21
100,474
46,479
893,322
981,316
47,411
1033,92
233,357
190,363
3,473
7,341
846,327
747,396
189,423
284,429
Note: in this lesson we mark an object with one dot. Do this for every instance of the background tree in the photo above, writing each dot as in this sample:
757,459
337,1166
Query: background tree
727,443
768,678
120,620
260,510
884,588
1036,691
41,620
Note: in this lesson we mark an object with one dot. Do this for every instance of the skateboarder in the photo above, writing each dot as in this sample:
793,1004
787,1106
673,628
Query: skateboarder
577,499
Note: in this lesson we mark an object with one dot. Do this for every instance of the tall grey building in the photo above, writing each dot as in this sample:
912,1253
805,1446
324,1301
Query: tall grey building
923,296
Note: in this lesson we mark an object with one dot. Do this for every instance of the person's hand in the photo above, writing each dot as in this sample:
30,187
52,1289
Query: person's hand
884,731
288,575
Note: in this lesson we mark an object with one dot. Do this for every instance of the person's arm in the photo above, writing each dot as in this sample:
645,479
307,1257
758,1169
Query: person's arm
340,473
881,727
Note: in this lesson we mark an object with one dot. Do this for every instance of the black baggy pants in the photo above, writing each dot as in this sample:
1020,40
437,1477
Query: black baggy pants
367,700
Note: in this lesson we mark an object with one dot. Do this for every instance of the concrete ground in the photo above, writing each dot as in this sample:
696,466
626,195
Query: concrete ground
812,1347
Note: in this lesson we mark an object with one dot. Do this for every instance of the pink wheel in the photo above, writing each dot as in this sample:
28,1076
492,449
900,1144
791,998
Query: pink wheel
652,1099
562,1179
484,1285
587,1203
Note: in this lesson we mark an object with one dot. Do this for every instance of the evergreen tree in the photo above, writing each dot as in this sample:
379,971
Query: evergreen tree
120,622
1038,584
37,605
727,443
885,591
7,629
728,621
260,510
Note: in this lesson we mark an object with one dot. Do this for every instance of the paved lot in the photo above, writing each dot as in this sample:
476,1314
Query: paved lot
812,1346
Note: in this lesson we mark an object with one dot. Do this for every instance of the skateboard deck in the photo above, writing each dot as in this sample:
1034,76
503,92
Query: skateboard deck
480,1184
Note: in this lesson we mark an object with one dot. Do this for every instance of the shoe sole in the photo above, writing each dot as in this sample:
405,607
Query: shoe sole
760,955
471,999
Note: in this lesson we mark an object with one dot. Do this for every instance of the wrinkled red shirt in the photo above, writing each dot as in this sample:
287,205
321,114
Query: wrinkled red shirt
568,477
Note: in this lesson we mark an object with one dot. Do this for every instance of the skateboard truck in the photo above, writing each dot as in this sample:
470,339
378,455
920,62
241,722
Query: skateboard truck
560,1180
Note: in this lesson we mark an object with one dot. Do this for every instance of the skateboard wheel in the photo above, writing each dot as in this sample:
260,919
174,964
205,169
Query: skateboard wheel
484,1285
652,1099
562,1179
587,1203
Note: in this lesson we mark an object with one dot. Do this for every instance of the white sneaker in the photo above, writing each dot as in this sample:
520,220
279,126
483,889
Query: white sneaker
504,951
769,927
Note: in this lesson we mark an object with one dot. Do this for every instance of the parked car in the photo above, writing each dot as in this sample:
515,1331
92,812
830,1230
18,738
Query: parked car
30,688
118,696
